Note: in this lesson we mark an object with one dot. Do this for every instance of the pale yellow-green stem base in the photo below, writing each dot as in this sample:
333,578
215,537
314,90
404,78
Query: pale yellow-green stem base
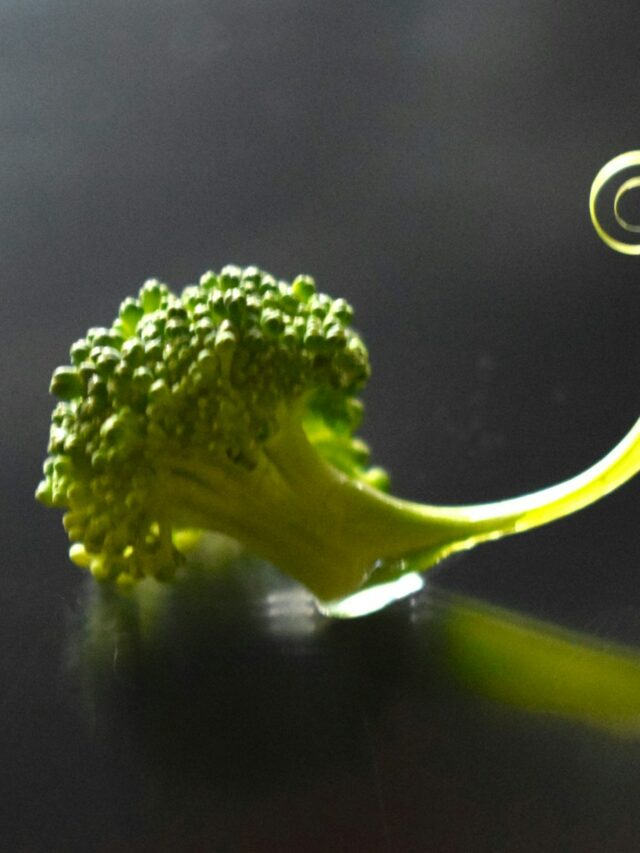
332,532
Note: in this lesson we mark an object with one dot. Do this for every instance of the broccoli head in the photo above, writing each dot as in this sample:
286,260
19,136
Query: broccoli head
233,407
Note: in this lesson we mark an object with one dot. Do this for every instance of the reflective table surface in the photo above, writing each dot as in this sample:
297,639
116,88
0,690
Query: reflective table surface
429,161
226,713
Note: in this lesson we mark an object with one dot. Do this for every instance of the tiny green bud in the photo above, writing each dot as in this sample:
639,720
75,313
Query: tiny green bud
176,328
133,352
377,478
217,303
142,378
151,294
158,392
79,556
314,338
178,312
153,349
201,311
44,493
97,335
111,429
99,460
272,321
225,345
342,310
230,276
131,312
303,288
336,336
79,351
208,280
191,296
225,339
318,306
204,326
66,383
98,568
236,303
86,370
267,284
206,361
289,304
107,361
97,387
63,466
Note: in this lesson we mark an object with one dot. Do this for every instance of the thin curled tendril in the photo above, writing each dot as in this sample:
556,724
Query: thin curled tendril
610,170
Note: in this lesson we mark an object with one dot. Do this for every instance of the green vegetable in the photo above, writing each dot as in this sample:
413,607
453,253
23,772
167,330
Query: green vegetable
233,408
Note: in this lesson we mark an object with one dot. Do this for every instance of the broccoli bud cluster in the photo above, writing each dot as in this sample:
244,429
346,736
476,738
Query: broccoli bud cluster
207,375
233,408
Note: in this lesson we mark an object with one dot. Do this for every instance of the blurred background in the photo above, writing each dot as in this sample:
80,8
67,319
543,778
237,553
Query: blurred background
429,161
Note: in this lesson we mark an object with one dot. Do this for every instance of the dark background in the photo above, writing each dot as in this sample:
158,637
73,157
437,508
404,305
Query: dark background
429,161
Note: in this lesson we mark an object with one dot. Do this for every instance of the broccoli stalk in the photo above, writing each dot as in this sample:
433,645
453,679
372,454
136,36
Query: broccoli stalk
328,529
233,408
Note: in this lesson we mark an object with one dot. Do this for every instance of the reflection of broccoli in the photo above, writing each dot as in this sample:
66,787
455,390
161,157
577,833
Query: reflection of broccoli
232,408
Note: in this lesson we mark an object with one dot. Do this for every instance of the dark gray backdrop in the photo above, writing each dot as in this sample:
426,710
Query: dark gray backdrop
429,161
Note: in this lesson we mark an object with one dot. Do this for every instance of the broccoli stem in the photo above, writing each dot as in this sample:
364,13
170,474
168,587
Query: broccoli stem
330,531
488,521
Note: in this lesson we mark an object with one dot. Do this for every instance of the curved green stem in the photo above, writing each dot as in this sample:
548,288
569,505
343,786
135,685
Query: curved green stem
334,533
470,525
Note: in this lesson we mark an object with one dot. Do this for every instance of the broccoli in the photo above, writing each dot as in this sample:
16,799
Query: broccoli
233,407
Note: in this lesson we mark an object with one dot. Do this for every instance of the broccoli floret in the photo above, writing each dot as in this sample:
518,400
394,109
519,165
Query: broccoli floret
233,407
